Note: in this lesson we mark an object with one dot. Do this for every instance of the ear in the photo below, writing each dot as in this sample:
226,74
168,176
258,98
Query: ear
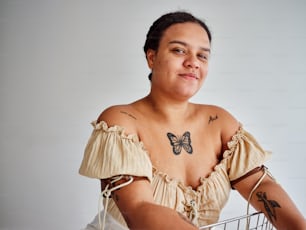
150,57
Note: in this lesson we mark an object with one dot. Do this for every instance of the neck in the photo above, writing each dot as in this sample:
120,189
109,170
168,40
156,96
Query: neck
167,108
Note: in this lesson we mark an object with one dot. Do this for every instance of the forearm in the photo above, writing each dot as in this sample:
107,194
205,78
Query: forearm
272,200
151,216
140,211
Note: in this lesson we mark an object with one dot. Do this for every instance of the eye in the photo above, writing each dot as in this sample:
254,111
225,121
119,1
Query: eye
178,50
203,56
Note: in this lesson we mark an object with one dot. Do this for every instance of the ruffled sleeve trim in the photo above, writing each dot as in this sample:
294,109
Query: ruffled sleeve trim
243,154
111,152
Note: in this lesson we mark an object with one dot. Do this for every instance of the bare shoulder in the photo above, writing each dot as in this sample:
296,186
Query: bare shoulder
223,119
217,111
121,115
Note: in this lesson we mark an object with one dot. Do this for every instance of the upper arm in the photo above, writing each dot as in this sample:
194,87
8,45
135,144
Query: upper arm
130,190
246,184
121,115
131,197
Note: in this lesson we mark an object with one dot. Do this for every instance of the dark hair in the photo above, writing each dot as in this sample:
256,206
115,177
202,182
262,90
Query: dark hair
157,29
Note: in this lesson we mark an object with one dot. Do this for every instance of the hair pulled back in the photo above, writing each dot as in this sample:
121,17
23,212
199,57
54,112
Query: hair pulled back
158,28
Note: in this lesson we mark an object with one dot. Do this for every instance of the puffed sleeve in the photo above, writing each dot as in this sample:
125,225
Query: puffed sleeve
243,155
110,152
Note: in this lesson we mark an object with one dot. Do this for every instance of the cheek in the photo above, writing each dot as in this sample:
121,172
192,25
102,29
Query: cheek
204,71
162,66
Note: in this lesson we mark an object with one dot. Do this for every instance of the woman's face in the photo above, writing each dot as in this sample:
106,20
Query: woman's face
180,64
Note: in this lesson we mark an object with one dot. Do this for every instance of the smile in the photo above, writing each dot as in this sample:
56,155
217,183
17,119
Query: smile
189,76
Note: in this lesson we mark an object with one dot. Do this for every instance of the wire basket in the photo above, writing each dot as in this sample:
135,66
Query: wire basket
254,221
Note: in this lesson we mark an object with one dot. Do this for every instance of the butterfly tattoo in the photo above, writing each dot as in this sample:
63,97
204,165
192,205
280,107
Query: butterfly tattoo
179,142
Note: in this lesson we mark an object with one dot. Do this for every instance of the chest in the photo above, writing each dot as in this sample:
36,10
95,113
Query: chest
185,153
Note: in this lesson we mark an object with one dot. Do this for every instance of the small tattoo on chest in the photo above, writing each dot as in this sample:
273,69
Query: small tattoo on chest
180,142
212,119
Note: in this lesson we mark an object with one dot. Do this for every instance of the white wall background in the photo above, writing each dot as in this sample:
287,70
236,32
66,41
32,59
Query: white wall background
63,62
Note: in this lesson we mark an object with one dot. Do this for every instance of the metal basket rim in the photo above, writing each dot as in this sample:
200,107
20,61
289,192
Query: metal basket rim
230,220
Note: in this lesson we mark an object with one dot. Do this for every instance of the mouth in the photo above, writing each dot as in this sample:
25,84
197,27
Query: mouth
189,76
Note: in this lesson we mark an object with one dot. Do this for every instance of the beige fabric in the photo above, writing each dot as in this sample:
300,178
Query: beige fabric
110,152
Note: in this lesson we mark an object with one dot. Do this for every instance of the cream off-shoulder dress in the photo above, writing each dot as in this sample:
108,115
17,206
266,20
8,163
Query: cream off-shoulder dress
110,152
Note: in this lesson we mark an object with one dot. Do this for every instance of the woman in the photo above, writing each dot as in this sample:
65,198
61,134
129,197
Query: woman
168,163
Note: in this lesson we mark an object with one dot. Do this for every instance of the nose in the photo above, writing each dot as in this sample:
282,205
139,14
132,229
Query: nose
192,61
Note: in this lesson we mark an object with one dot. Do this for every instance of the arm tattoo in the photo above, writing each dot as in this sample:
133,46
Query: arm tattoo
179,142
130,115
269,205
212,119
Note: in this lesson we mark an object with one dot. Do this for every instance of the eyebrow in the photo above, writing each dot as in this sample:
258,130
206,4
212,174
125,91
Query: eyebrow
185,44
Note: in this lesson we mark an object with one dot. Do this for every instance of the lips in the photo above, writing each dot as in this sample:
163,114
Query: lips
189,76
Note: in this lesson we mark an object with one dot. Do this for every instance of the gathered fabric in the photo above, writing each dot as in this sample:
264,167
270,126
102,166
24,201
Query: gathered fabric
110,152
